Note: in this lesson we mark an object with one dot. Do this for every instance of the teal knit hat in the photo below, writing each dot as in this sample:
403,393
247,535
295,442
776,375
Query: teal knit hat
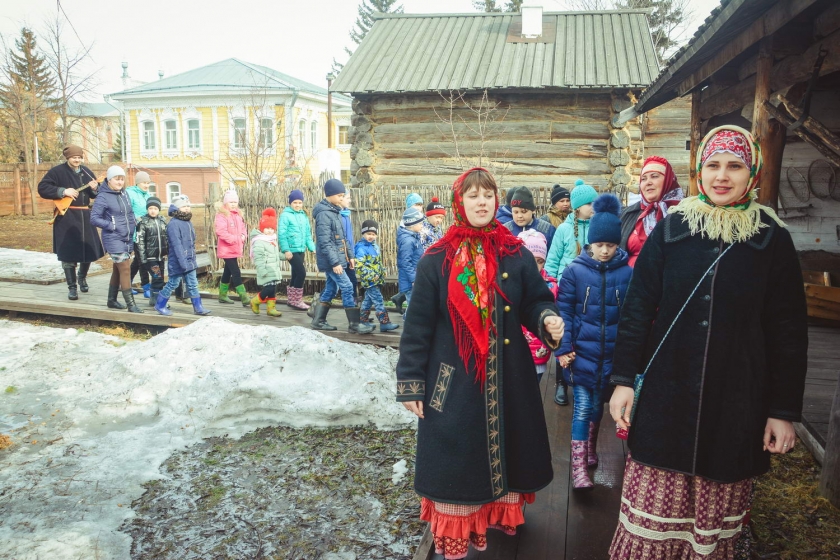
582,194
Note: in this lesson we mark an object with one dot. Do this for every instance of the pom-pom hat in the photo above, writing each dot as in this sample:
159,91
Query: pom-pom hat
605,225
534,242
180,201
435,208
268,219
582,194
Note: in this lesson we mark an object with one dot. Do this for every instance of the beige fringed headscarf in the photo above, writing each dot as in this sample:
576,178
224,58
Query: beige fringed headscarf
740,220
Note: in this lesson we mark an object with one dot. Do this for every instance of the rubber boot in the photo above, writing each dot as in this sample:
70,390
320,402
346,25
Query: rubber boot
592,443
243,295
315,299
385,323
560,396
70,277
580,478
398,300
147,290
153,295
83,272
295,299
319,321
161,306
129,302
223,293
364,316
353,317
198,309
271,308
255,304
112,298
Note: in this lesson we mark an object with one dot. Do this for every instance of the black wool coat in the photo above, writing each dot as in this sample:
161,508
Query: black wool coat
628,222
476,443
736,356
75,240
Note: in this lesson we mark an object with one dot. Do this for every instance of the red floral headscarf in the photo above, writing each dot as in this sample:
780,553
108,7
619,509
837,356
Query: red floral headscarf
472,262
672,193
733,140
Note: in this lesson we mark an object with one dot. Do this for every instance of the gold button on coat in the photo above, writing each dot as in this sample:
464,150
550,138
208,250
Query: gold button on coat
504,275
507,308
507,341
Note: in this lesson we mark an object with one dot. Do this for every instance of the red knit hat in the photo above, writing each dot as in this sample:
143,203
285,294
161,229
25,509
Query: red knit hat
435,208
269,219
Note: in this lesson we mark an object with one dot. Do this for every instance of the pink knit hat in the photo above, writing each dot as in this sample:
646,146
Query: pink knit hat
534,242
230,196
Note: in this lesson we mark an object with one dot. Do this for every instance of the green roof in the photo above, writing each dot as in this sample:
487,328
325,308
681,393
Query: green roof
86,109
434,52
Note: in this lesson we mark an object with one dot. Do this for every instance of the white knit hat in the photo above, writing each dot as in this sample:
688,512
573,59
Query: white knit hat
115,171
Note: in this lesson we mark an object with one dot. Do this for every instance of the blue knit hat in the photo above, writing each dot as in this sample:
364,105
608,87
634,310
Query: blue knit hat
333,187
582,194
413,199
412,216
298,195
605,225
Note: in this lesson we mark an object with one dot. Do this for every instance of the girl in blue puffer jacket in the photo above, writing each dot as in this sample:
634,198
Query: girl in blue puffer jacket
591,291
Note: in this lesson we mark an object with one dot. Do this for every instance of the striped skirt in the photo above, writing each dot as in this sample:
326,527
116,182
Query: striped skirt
672,516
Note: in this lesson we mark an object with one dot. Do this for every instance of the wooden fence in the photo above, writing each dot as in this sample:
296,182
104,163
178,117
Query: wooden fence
15,197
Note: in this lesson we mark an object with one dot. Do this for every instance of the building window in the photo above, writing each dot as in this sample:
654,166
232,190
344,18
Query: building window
266,134
239,133
313,127
171,131
148,135
302,135
193,135
153,190
172,190
343,134
345,176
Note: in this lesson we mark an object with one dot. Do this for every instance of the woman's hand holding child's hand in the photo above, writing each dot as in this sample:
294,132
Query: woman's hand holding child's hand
566,359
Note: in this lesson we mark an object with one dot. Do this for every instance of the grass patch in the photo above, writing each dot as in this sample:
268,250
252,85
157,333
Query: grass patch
11,389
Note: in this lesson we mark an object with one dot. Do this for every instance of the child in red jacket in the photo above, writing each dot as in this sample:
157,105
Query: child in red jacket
537,244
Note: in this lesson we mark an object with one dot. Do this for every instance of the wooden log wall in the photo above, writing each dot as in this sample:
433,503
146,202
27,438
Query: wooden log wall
666,131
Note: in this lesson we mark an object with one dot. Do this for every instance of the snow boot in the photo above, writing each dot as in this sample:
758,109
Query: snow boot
255,304
385,323
591,444
364,316
295,299
398,300
129,302
560,396
271,308
353,317
83,272
223,293
319,321
315,299
198,309
112,298
161,307
147,290
70,276
243,295
580,478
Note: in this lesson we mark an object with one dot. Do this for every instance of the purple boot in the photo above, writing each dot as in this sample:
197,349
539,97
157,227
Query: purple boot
580,478
591,455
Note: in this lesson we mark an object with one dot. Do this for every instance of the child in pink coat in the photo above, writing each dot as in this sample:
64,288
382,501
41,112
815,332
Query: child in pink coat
536,243
232,233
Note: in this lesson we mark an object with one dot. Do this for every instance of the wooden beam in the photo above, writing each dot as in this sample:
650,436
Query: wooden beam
811,131
769,134
695,142
827,22
18,209
830,476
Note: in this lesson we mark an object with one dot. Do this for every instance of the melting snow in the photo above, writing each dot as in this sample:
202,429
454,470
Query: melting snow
31,265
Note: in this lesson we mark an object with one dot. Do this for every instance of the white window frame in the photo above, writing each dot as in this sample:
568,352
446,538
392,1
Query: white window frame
302,135
267,147
346,135
169,195
238,142
144,147
170,134
197,130
153,189
313,136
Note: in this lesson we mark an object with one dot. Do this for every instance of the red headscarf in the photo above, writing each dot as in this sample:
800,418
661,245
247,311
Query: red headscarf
672,194
733,140
472,262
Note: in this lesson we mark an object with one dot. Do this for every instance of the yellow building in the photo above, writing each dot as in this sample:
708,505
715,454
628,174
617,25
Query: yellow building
234,123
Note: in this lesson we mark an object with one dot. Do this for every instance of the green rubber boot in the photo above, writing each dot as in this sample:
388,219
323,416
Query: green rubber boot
223,293
243,295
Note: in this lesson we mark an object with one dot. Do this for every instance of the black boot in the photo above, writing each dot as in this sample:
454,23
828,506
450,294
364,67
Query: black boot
319,322
561,397
315,299
128,296
398,300
83,272
112,298
70,276
353,317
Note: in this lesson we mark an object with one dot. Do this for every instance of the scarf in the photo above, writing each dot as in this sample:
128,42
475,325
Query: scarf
472,263
740,220
262,237
654,210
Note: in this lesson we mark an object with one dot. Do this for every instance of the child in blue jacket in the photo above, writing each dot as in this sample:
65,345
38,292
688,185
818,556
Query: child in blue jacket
591,291
371,275
409,250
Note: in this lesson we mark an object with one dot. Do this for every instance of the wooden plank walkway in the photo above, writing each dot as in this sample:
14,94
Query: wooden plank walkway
822,380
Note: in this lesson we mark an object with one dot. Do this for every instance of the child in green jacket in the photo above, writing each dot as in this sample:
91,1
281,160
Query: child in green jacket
295,237
266,256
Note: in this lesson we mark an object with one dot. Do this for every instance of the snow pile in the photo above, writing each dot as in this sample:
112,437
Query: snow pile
19,264
400,469
93,417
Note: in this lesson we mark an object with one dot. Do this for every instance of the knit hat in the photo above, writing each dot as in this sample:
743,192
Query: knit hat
413,199
523,198
605,226
296,195
230,196
558,193
152,201
114,171
334,187
509,195
582,194
370,226
180,201
268,220
142,177
412,216
534,242
72,150
435,208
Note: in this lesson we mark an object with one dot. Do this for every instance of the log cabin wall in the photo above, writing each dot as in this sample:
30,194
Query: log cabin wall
666,132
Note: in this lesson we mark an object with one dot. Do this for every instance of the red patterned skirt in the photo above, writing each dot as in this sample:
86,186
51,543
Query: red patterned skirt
455,527
672,516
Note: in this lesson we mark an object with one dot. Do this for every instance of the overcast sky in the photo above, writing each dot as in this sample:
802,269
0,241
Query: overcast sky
297,37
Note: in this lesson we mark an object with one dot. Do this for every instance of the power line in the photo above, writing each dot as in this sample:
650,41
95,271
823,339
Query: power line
61,8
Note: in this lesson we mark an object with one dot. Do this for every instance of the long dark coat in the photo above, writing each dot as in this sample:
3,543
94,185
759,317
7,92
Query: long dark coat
736,356
74,238
628,222
476,443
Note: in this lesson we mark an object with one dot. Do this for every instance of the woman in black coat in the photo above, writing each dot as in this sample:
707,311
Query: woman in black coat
466,371
727,382
74,238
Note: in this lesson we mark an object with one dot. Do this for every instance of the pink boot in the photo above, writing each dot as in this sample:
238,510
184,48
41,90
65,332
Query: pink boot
580,478
591,456
295,300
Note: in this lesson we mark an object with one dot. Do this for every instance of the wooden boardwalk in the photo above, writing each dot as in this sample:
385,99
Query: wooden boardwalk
822,381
